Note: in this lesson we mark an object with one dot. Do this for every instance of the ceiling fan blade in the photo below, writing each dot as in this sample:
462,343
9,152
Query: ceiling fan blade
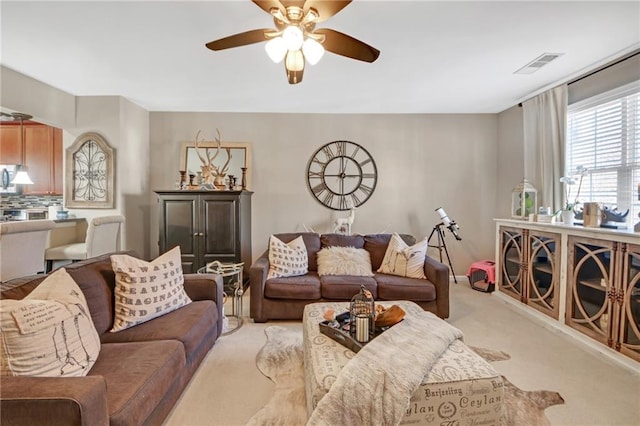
242,39
345,45
267,5
326,9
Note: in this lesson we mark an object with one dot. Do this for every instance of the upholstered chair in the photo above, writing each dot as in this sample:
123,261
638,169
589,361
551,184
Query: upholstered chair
102,237
22,246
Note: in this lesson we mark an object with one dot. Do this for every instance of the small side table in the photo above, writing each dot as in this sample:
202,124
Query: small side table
235,287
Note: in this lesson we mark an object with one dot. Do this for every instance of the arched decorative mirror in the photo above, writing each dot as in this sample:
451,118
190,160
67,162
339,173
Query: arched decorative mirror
89,173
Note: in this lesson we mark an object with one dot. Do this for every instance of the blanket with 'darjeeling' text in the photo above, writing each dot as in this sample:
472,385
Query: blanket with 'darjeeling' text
375,387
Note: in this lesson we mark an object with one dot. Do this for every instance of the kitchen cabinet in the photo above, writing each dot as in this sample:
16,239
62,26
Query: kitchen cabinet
585,280
530,268
603,292
207,225
43,163
41,154
10,145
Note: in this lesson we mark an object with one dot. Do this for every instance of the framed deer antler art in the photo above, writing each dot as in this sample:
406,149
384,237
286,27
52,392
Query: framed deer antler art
217,160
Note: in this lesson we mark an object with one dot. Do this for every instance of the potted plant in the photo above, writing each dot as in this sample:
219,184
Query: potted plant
568,211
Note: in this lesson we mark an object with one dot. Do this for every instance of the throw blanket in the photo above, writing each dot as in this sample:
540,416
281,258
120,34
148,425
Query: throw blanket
375,387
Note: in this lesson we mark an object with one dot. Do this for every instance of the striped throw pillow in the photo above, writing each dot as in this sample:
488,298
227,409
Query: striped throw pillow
403,260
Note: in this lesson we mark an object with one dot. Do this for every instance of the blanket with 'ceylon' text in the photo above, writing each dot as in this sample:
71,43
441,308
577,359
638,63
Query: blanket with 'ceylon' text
375,387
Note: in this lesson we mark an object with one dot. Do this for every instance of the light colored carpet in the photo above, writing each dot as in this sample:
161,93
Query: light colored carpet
228,389
281,359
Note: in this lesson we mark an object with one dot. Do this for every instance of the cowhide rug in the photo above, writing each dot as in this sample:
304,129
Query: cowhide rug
281,360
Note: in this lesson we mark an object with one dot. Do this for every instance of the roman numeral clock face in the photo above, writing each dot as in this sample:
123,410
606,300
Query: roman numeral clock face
342,174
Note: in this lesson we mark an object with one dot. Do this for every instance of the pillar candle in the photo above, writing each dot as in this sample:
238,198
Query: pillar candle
362,328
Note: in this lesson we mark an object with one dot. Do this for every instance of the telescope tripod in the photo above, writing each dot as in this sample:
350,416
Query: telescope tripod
442,245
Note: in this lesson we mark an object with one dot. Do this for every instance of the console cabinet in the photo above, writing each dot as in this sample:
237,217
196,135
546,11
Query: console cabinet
530,268
207,225
583,279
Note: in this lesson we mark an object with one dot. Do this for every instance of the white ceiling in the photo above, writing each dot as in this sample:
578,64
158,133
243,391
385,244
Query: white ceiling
436,57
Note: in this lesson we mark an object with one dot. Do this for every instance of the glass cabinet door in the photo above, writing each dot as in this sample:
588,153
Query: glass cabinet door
543,270
511,276
629,295
590,293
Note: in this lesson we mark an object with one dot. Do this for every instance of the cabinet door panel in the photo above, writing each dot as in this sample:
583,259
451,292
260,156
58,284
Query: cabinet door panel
629,340
38,154
178,217
220,229
10,144
589,287
58,183
510,280
543,269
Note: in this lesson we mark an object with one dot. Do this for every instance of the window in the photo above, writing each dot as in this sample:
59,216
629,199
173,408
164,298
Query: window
603,135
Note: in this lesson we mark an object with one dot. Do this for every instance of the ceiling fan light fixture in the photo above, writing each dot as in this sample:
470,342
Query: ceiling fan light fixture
293,37
276,49
277,13
294,60
311,16
312,50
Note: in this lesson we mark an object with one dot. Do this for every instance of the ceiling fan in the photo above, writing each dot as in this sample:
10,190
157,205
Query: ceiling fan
14,116
296,39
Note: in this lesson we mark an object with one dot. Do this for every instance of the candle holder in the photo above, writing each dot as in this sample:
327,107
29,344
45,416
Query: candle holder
183,179
244,178
362,315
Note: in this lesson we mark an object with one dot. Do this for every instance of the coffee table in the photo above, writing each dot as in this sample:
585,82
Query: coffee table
461,388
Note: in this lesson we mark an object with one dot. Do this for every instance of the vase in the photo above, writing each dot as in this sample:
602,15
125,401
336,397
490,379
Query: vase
218,181
567,217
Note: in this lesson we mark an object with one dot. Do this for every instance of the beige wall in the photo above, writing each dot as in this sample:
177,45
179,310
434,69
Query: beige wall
47,104
510,158
124,125
424,162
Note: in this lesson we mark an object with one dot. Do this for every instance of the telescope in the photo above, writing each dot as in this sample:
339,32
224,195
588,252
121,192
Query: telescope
441,245
451,225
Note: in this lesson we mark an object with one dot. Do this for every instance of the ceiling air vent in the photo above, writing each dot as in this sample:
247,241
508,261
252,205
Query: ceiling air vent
538,63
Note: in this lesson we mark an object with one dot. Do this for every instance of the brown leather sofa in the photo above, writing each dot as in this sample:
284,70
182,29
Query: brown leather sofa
285,298
140,372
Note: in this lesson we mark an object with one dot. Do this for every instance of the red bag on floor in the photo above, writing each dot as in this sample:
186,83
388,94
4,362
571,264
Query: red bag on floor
482,276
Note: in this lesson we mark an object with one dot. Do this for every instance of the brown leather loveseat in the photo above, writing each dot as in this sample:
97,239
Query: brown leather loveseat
285,298
140,372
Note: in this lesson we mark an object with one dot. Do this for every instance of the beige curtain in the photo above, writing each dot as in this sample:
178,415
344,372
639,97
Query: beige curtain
545,124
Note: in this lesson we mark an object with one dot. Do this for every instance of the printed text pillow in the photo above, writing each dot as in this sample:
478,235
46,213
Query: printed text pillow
49,333
147,290
403,260
287,260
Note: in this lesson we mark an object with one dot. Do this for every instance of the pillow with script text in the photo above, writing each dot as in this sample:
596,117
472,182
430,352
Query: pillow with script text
147,290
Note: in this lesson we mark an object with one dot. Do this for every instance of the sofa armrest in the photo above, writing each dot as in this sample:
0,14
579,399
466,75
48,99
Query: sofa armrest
258,277
206,287
80,401
438,274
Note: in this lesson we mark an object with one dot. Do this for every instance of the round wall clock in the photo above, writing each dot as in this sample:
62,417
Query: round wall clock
341,175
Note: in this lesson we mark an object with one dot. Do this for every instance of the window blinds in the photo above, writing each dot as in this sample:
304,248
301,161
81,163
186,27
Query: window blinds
603,135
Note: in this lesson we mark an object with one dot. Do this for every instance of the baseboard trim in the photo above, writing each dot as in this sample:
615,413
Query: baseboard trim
589,344
460,278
